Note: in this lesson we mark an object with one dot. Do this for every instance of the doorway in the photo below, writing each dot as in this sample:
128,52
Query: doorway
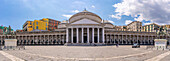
85,39
74,39
95,39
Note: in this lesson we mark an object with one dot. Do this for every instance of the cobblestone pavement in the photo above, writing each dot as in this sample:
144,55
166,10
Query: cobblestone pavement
84,53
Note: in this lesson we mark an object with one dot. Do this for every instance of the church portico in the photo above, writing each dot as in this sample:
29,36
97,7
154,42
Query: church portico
84,35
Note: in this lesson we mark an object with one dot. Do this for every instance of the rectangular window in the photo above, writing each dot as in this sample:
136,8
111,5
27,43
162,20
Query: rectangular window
37,27
30,27
46,28
46,24
37,23
30,23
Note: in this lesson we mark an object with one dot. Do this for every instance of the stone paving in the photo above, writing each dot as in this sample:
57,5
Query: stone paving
83,53
167,58
3,58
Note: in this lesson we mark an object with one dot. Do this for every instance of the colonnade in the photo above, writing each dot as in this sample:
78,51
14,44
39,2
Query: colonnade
85,35
36,39
133,38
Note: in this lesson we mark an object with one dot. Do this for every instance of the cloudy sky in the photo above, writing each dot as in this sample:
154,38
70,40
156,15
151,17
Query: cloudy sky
118,12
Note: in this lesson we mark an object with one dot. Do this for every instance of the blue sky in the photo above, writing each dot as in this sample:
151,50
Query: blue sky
17,12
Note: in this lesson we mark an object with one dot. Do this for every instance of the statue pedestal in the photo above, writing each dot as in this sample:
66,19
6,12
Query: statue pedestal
10,42
160,44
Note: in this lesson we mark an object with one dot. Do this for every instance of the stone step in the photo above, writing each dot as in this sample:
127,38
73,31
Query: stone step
84,44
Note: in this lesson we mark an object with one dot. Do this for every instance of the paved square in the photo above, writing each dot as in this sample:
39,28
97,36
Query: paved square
87,53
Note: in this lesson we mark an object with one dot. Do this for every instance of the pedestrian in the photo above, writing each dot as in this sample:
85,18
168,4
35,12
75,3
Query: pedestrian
117,45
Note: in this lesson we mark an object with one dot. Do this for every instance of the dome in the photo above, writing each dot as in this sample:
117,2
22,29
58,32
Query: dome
85,14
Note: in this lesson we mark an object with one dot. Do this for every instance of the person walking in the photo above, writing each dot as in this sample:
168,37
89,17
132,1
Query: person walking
117,45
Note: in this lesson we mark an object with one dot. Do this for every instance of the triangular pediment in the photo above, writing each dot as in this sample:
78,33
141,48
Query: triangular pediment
85,21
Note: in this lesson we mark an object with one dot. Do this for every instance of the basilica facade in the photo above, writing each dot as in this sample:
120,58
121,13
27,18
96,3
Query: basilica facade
84,28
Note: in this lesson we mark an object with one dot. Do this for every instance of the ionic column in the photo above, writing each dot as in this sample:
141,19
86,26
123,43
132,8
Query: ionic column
60,36
137,39
44,39
122,38
40,39
67,35
141,39
33,39
1,41
48,39
130,39
103,35
148,37
82,36
26,39
114,38
37,40
118,38
98,37
56,39
87,35
144,39
77,35
110,38
92,35
71,35
152,39
133,38
126,39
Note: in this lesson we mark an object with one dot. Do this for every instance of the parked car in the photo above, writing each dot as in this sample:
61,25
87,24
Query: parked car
135,45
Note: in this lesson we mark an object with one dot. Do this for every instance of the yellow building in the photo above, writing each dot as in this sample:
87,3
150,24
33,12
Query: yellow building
150,27
36,25
40,24
28,26
167,26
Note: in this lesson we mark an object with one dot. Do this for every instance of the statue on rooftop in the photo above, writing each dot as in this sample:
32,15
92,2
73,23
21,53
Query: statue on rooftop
8,31
160,31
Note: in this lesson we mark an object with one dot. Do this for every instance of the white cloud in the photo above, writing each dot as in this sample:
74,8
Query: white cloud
128,22
75,11
68,16
110,21
157,11
93,6
115,16
140,18
147,23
